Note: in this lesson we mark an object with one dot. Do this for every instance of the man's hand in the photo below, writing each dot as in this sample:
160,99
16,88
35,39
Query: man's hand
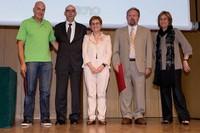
147,70
23,70
116,67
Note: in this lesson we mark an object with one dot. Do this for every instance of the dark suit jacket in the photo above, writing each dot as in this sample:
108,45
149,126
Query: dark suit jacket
69,53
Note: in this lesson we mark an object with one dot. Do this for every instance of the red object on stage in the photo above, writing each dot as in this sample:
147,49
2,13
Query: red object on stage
120,78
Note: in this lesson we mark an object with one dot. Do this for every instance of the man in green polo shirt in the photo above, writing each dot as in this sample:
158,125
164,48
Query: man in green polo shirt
33,40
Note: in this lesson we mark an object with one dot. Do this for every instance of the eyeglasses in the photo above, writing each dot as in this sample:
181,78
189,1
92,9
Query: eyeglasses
133,16
97,23
70,11
163,19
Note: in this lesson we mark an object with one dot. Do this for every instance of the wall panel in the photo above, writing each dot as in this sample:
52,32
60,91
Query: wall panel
8,57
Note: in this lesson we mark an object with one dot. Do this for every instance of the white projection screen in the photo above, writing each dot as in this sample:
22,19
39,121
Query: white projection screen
112,12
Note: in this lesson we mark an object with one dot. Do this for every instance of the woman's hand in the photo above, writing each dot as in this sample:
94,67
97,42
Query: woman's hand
100,68
186,66
92,68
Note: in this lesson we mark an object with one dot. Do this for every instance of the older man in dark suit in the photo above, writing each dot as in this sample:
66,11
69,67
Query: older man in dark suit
133,48
69,35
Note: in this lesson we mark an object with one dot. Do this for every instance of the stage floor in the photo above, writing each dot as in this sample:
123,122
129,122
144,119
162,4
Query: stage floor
113,126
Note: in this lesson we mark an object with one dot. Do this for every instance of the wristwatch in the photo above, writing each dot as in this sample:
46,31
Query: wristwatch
104,64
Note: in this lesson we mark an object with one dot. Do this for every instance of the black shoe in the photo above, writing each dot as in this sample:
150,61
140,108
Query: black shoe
73,121
166,122
91,122
26,122
185,122
60,122
102,122
46,122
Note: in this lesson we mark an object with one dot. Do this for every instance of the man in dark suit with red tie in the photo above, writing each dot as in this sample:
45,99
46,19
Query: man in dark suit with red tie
69,35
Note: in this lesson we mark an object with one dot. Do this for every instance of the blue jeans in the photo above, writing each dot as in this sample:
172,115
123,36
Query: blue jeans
43,72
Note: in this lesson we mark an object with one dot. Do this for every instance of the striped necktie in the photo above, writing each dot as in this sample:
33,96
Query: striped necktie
132,46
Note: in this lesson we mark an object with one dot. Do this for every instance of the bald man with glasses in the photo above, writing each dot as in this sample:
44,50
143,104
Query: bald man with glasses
69,35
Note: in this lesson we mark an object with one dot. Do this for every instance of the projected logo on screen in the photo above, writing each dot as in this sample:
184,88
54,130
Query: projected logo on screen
88,11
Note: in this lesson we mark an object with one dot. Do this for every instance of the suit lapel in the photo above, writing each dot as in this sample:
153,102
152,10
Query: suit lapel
77,30
63,30
125,32
138,32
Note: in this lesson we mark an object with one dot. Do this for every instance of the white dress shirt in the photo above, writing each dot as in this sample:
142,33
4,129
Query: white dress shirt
73,29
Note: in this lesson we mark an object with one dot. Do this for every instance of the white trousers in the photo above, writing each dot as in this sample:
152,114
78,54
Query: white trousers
96,88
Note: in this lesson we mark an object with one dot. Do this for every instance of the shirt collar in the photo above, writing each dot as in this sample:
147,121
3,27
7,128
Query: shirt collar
73,23
130,27
91,37
33,20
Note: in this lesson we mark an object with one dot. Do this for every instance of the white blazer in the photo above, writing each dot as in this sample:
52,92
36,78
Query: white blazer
97,52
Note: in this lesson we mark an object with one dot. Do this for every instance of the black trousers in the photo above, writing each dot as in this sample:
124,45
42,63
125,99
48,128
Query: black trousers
61,93
171,86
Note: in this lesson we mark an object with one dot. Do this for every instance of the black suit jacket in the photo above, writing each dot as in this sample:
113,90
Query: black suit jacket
69,53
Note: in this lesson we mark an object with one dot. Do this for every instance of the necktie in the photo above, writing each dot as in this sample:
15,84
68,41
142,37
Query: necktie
69,31
132,46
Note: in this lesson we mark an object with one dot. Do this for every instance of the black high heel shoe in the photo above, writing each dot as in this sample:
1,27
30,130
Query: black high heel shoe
102,122
91,122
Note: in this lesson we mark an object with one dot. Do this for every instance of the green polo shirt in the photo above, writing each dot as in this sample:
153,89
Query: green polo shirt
36,37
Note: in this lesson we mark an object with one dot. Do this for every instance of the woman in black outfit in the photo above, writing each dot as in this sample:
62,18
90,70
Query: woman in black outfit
168,68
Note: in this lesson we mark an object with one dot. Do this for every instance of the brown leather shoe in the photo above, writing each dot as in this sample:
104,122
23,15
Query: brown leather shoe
126,121
140,121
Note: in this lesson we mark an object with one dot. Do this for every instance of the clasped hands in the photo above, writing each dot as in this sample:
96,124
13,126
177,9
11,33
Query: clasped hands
95,70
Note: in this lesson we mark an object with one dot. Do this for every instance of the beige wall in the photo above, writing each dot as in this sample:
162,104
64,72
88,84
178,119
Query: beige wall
191,83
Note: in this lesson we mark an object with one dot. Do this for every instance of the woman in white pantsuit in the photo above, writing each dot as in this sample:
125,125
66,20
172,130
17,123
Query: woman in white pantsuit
96,63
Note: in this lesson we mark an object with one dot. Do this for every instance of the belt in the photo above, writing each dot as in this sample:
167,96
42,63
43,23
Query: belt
132,59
